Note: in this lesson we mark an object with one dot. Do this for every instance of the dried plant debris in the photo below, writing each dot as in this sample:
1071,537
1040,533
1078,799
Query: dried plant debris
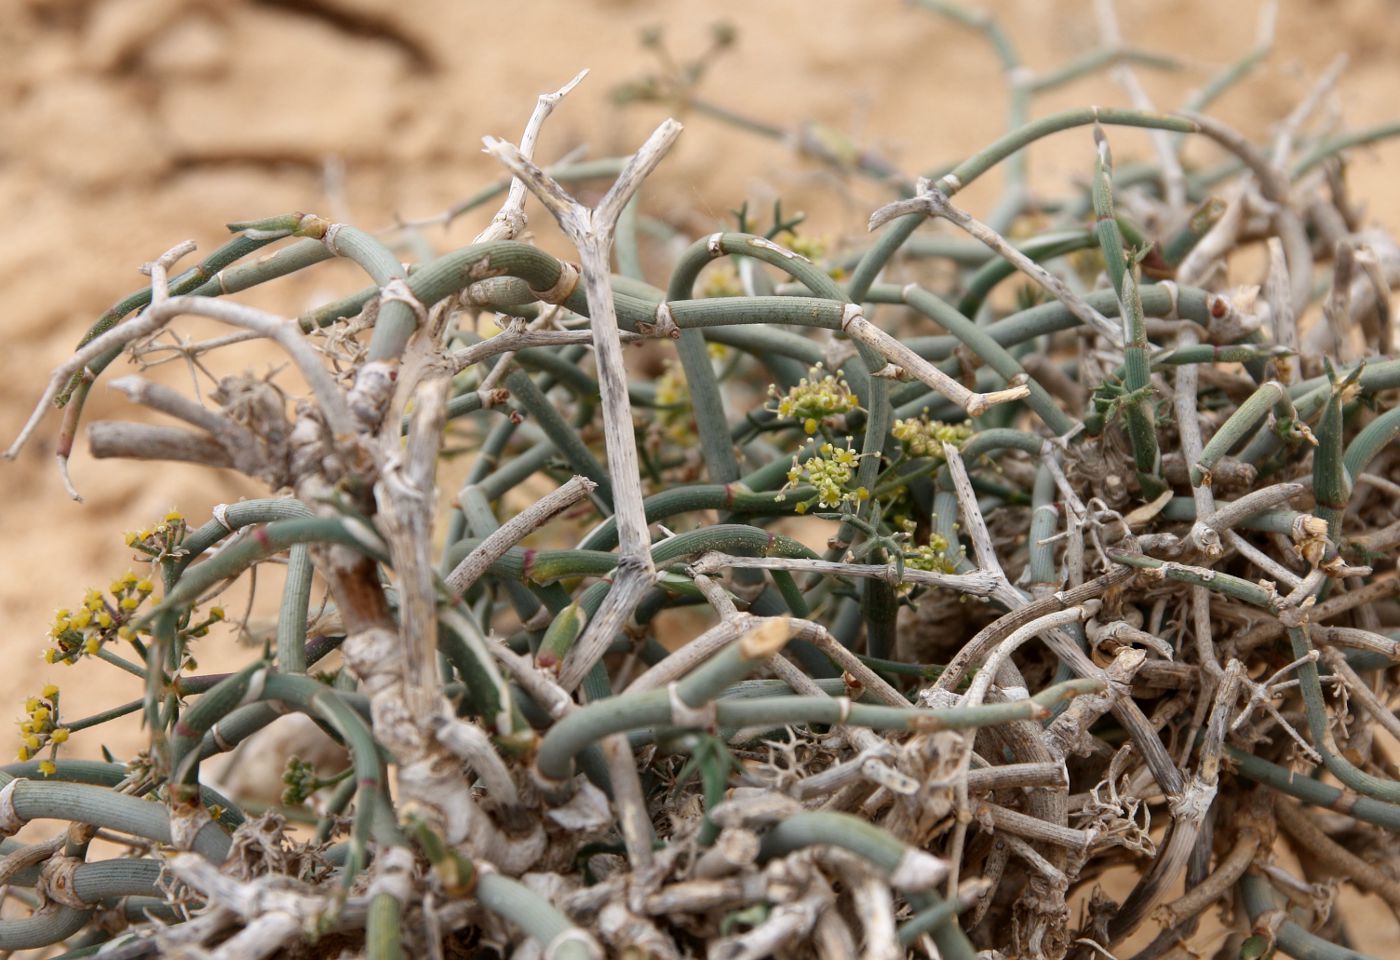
1096,575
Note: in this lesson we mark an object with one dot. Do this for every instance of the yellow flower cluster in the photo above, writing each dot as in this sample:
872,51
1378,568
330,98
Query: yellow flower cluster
101,618
831,472
815,397
162,540
673,405
722,281
932,556
923,437
41,729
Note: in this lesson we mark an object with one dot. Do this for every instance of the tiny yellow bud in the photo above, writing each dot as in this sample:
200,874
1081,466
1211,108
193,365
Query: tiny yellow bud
145,586
50,691
809,426
92,644
22,754
131,536
104,619
128,580
130,603
32,742
216,613
59,735
31,705
40,713
26,727
174,516
50,656
47,768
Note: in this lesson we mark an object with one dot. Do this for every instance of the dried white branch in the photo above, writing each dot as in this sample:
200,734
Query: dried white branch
287,333
517,528
592,232
509,222
934,203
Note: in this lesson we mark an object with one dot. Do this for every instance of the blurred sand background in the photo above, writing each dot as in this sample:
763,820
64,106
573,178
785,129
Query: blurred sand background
130,125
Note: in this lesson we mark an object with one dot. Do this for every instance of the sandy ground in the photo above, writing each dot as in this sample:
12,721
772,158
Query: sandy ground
134,124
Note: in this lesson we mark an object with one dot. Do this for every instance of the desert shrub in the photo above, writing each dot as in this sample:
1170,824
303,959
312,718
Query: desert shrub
1183,494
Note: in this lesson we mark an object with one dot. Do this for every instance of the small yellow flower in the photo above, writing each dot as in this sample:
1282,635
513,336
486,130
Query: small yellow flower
174,516
47,768
59,735
91,645
50,691
32,742
130,603
31,705
145,586
23,754
51,656
104,619
216,613
39,714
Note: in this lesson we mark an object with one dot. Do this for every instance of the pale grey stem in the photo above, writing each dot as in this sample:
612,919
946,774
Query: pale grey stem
512,339
1203,633
541,688
977,692
1288,131
592,232
841,655
875,906
1076,514
1023,825
510,220
1188,425
405,495
1262,690
1262,560
1274,185
973,523
717,597
1032,856
148,441
933,202
286,332
977,584
1010,776
1357,639
1230,515
1188,812
1360,691
694,653
904,361
473,745
162,398
1173,178
517,528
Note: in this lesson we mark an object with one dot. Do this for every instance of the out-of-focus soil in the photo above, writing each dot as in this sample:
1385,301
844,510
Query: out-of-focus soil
130,125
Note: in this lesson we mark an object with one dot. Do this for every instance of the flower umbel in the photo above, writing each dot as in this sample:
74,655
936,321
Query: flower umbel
923,437
831,472
815,398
